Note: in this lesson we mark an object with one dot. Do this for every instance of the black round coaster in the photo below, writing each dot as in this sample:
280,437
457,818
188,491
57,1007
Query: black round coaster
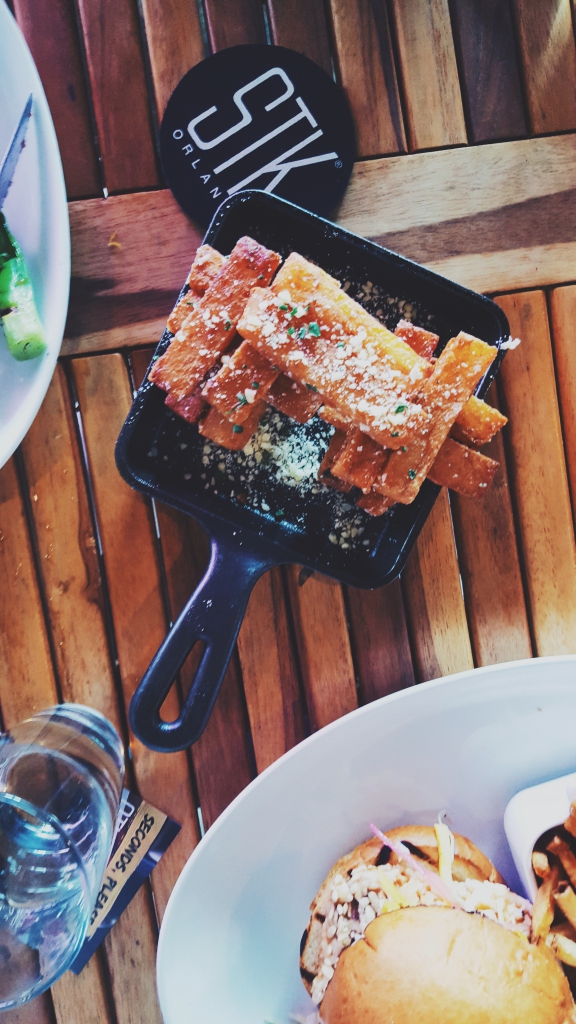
259,117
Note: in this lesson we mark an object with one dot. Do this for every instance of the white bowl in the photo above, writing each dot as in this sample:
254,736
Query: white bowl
37,214
465,744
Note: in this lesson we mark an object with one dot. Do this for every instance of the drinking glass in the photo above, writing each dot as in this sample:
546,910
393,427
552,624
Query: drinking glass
61,775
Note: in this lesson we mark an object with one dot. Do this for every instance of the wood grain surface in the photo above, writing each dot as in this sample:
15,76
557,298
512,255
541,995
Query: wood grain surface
323,645
548,52
379,638
116,297
429,72
528,389
119,93
490,568
269,672
489,73
93,574
563,312
508,220
134,584
85,995
434,600
287,18
175,44
68,558
49,27
234,22
27,681
367,73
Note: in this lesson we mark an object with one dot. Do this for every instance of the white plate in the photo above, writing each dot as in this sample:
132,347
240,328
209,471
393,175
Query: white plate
465,744
37,214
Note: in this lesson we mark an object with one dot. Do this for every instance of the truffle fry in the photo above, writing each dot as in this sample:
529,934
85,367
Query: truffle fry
563,948
540,864
566,899
567,859
544,905
456,373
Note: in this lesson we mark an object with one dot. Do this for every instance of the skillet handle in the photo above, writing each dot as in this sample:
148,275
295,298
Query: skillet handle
213,616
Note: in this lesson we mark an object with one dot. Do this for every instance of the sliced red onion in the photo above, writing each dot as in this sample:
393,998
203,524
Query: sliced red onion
430,877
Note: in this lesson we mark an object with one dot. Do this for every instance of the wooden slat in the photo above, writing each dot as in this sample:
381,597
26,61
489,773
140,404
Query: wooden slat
24,652
507,220
490,567
433,103
323,646
116,298
119,93
269,672
133,577
174,40
39,1011
85,996
539,475
563,310
131,958
49,27
380,641
221,757
301,25
68,558
548,53
233,22
25,657
365,61
26,677
433,593
489,72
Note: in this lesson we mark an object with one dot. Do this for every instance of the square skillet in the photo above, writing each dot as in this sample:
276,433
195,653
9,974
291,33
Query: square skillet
160,454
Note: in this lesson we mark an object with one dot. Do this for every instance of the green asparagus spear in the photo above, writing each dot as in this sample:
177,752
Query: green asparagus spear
22,328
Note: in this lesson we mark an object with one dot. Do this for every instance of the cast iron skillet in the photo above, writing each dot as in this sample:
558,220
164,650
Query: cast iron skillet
254,520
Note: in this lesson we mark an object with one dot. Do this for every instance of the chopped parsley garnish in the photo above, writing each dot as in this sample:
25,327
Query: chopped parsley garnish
255,384
412,474
291,331
314,330
400,408
275,367
260,277
227,325
340,344
242,400
403,448
395,433
302,332
294,311
311,387
188,303
237,429
279,514
284,307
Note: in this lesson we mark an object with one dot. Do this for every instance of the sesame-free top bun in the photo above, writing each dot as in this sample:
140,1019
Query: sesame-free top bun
439,965
469,862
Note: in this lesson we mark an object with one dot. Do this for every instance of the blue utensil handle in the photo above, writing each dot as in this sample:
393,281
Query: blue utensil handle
212,616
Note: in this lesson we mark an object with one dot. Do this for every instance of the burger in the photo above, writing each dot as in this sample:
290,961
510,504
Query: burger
418,926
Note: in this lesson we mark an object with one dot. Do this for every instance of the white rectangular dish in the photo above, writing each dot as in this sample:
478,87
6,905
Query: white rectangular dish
529,814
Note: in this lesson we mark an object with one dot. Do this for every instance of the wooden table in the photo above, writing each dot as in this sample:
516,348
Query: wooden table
465,112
